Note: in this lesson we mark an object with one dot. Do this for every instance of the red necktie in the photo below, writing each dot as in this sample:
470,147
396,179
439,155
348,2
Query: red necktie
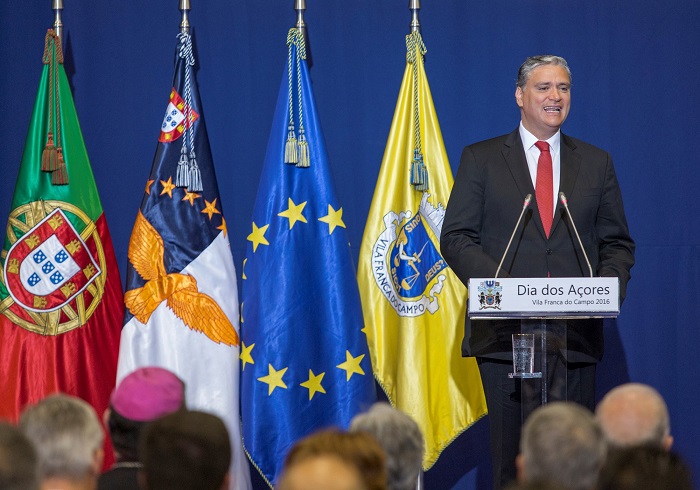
543,186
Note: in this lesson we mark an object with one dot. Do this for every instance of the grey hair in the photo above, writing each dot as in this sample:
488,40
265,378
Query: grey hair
66,434
534,61
400,438
634,414
563,443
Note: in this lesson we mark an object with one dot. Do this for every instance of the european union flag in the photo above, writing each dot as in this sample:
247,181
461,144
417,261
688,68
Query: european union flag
305,362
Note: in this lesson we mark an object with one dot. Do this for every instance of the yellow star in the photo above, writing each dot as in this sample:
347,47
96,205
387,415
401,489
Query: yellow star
294,213
243,276
258,236
168,187
333,218
210,208
222,226
351,365
246,356
191,196
273,379
313,384
148,186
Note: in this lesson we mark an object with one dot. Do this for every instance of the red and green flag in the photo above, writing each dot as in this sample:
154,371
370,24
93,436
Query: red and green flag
61,304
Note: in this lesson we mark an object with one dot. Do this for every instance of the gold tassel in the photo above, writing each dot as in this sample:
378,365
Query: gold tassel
48,156
303,152
291,149
60,175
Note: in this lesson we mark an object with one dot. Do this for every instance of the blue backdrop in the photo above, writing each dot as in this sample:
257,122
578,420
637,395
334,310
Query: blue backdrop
635,74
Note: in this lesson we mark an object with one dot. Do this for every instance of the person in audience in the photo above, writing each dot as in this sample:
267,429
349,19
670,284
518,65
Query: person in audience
142,396
634,414
185,450
400,438
18,460
334,460
561,443
534,485
644,467
68,438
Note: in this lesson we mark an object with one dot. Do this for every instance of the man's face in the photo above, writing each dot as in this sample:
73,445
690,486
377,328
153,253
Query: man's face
545,100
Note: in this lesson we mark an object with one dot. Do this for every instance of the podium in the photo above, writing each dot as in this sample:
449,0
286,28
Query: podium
543,306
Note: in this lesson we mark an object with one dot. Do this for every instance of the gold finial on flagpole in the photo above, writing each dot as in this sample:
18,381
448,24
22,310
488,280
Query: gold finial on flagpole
185,8
414,7
57,6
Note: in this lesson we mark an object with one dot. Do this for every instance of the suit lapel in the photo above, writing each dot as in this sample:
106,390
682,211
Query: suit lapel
570,163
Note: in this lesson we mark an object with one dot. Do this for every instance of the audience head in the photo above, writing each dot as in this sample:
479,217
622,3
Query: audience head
334,460
18,460
185,450
644,468
142,396
67,436
400,438
562,443
634,414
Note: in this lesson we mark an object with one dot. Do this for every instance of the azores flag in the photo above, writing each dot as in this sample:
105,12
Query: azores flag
181,294
304,358
413,304
60,292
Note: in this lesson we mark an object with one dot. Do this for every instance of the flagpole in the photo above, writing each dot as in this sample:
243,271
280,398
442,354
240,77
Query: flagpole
57,6
185,23
300,7
414,7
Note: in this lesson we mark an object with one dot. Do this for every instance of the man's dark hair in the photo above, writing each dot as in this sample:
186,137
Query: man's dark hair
18,460
124,434
186,450
644,467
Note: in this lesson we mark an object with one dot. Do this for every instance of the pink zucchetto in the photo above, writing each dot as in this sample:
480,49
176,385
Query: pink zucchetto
147,394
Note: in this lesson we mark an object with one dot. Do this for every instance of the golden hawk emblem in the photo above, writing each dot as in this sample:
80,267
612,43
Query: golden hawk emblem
179,291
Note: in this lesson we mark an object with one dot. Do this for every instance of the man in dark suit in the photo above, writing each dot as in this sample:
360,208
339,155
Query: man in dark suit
493,180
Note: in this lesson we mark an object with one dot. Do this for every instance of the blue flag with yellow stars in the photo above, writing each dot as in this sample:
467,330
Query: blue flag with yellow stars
304,358
181,291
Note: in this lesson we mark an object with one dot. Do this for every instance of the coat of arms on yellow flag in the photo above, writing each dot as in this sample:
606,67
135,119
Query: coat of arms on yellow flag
413,303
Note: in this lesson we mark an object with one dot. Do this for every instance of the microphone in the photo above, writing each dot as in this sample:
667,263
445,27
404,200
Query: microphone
526,204
565,202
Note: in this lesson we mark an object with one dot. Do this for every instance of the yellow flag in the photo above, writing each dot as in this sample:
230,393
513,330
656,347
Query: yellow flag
413,304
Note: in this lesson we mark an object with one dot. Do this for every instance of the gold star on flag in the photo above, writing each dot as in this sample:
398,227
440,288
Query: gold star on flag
210,208
168,187
246,356
333,218
313,384
148,186
294,213
273,379
243,276
222,226
190,197
258,236
351,365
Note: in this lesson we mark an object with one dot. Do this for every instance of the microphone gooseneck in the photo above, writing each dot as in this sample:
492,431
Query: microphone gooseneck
565,203
526,204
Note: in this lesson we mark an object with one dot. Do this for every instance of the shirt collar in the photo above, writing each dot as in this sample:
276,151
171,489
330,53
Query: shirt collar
529,139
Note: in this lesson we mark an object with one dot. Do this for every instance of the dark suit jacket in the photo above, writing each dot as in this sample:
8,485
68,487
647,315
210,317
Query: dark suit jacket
486,200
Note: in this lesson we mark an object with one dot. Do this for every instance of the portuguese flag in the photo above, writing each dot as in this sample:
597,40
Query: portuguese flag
61,305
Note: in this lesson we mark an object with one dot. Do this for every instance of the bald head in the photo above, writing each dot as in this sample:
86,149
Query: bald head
634,414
